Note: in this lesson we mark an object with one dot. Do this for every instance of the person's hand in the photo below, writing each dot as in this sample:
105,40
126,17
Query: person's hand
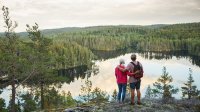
131,73
121,69
138,71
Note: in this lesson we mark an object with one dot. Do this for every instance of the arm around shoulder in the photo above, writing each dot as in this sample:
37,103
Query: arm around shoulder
122,69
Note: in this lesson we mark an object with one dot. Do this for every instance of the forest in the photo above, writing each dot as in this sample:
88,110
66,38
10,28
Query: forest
142,38
36,59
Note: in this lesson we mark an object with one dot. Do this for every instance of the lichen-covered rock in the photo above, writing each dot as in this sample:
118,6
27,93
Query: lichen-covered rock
147,106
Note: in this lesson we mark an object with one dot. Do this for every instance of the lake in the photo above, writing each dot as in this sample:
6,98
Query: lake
177,66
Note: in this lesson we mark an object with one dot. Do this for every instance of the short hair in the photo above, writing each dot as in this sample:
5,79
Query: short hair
133,57
121,61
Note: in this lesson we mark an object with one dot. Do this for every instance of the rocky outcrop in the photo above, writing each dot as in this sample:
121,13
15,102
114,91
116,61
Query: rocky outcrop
147,106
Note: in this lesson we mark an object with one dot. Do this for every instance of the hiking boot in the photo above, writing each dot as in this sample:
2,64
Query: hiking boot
131,103
139,103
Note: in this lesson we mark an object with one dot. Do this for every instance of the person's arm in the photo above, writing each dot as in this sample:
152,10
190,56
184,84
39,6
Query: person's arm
122,69
131,73
116,72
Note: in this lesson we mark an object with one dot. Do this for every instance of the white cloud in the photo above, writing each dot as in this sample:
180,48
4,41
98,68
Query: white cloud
64,13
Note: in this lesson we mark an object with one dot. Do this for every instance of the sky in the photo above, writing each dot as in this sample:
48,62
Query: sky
81,13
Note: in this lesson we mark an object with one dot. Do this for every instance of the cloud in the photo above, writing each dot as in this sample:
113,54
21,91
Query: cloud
64,13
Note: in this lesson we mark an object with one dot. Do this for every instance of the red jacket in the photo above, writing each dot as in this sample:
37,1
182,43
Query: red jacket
121,76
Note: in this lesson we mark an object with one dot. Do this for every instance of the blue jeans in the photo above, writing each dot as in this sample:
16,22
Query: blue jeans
122,92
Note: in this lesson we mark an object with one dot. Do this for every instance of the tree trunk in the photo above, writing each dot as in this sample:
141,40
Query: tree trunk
189,95
42,95
13,94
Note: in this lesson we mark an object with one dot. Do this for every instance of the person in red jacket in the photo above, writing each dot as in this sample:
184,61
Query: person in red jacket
121,78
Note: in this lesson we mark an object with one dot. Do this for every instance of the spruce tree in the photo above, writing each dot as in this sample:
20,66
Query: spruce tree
190,90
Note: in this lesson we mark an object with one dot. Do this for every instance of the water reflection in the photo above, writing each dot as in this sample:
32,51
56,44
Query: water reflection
102,73
72,73
78,72
169,54
106,66
177,66
103,55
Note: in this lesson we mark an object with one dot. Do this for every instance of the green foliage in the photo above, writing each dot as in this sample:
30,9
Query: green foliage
149,93
162,87
189,90
16,106
70,54
2,105
114,95
95,96
69,99
143,38
28,102
14,62
53,99
86,91
41,61
40,55
33,62
99,96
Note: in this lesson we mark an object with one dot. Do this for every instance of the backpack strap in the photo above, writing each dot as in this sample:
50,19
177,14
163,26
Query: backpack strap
138,64
134,63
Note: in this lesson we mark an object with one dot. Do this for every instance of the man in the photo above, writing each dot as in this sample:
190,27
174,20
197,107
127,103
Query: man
134,82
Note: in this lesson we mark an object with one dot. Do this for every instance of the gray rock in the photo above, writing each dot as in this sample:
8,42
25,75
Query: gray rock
69,110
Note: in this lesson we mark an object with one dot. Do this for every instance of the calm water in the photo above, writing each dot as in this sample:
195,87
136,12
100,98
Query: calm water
105,79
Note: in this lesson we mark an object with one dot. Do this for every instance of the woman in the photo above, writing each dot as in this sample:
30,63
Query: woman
121,78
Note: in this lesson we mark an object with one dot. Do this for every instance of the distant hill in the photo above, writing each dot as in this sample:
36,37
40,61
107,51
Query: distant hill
157,25
72,29
99,28
54,31
51,31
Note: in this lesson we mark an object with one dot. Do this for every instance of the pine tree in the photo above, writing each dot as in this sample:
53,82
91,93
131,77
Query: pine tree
86,91
99,96
189,90
163,88
41,60
70,100
15,65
